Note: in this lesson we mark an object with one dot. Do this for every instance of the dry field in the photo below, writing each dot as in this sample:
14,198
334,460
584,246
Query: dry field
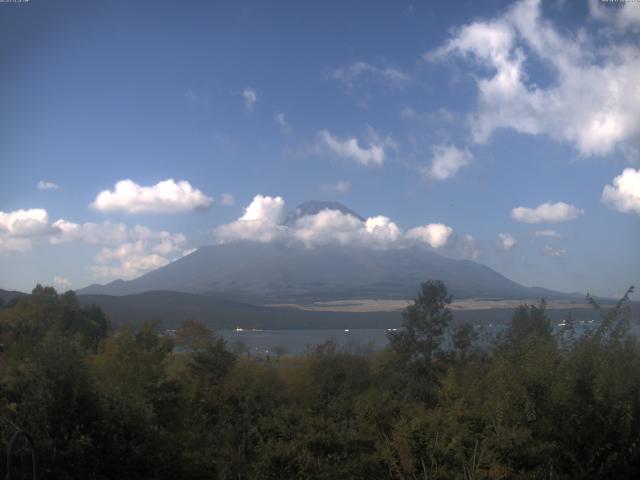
375,305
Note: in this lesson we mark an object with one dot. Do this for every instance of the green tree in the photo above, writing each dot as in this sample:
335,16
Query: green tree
529,321
463,339
419,343
32,317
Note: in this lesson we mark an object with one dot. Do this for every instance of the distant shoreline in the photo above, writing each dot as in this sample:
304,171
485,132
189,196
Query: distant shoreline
386,305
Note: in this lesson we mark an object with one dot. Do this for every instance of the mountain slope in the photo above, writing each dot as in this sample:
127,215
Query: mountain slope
277,273
266,273
8,295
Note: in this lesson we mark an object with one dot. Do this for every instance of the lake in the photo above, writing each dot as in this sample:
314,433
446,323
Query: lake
296,341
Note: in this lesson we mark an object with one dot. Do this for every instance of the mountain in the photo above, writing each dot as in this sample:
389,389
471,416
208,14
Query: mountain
262,273
7,295
275,273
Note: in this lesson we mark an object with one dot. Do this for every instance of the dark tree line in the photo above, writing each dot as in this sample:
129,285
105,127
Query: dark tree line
104,404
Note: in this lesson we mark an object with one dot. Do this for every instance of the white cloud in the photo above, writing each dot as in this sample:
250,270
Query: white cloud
434,234
128,260
624,194
328,227
285,127
135,252
250,97
592,101
447,161
91,233
466,246
10,244
127,252
227,200
164,197
44,185
546,212
381,231
62,282
554,252
371,153
622,15
20,228
507,241
350,74
546,233
260,222
341,186
24,223
264,208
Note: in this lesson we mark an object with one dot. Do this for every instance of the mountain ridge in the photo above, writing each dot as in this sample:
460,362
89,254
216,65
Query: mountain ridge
263,273
267,273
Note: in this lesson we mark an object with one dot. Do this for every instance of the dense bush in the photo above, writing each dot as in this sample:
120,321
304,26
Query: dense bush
129,404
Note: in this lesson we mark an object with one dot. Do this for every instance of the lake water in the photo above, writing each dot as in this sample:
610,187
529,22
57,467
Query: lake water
295,342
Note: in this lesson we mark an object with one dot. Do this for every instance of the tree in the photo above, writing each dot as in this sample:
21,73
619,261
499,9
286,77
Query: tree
529,321
194,335
213,362
463,339
30,318
424,323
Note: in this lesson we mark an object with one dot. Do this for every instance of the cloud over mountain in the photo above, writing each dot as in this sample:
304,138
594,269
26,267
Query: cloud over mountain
263,221
260,222
126,252
435,235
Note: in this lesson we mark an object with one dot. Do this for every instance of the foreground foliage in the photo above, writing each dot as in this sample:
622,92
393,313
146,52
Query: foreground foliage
435,404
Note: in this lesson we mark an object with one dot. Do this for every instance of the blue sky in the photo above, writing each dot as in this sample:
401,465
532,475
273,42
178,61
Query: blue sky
504,132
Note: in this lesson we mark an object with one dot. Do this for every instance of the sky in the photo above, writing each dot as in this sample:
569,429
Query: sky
507,133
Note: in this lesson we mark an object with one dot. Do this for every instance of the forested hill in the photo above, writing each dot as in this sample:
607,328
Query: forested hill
8,295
